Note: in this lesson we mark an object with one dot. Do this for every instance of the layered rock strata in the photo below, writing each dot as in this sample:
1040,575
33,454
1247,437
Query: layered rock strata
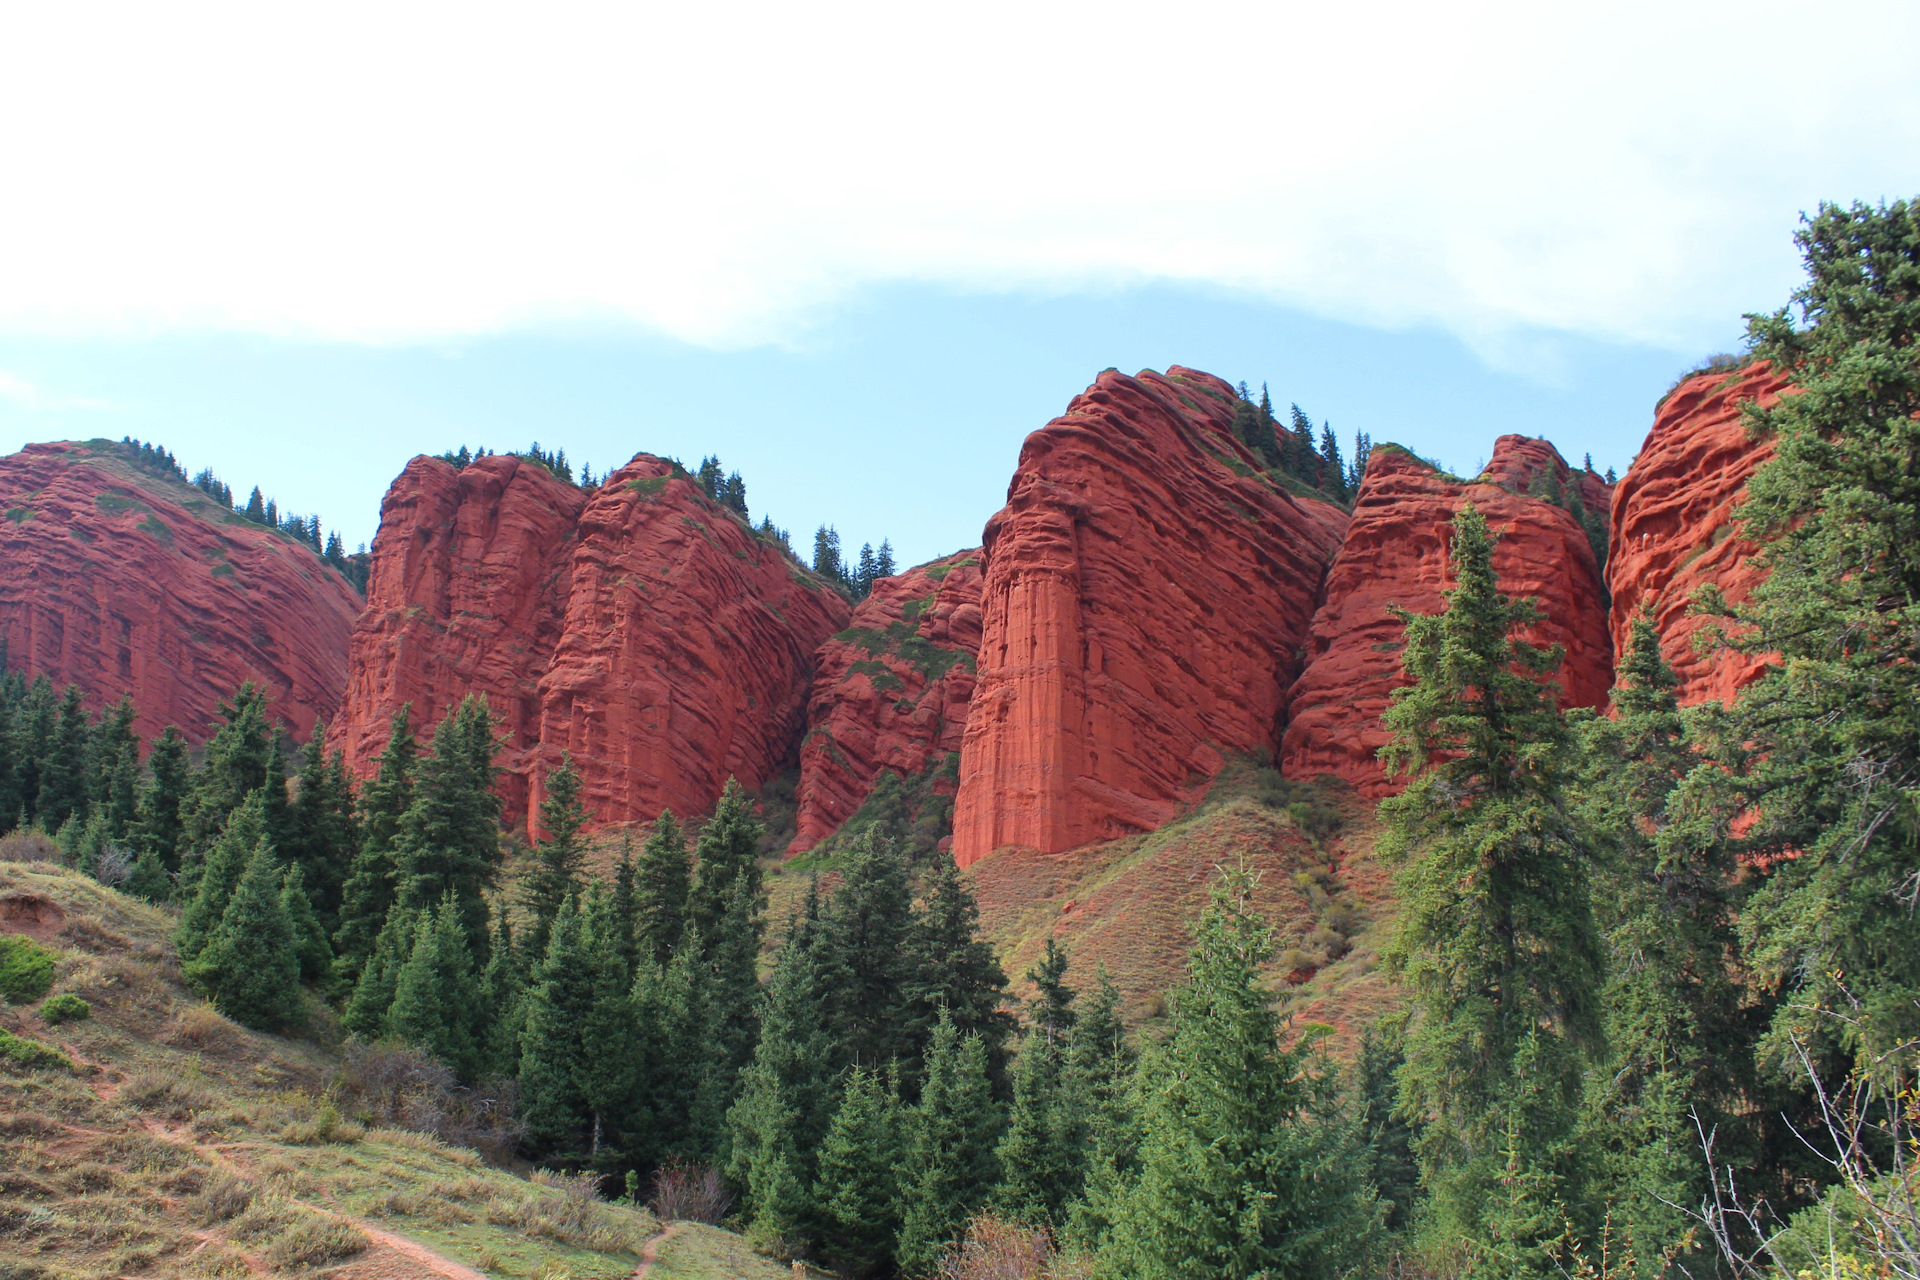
1146,596
1396,554
1674,530
126,582
891,692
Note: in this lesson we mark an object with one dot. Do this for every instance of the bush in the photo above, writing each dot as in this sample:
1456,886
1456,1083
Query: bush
23,1054
315,1240
690,1193
29,845
65,1007
396,1085
26,969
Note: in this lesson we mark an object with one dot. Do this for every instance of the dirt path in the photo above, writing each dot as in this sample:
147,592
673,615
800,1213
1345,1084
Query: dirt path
650,1252
413,1259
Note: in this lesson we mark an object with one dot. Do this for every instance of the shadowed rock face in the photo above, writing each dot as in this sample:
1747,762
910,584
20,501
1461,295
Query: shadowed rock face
1146,597
891,691
1673,524
471,569
641,628
1396,554
121,581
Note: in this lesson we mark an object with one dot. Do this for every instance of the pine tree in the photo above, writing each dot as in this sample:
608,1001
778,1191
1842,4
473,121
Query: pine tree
788,1094
728,850
235,767
161,801
448,841
1362,451
1827,747
864,575
1330,465
33,738
859,1184
1100,1075
609,1079
883,566
367,895
1383,1127
625,907
219,875
435,995
1495,944
249,966
120,805
278,812
503,988
309,938
1246,1167
107,748
324,838
950,1168
954,973
729,1015
661,885
63,778
826,554
866,958
1044,1153
553,1105
556,867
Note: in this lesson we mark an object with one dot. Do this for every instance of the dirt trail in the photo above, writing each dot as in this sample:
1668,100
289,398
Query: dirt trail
650,1252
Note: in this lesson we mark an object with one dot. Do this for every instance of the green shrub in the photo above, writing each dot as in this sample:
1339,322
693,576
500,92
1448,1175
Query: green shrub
23,1054
26,969
65,1007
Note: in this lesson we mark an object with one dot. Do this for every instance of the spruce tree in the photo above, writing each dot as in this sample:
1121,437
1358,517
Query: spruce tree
503,994
33,728
367,895
435,995
1383,1127
555,873
219,875
1246,1167
63,778
324,836
950,1168
728,850
249,966
1495,943
859,1184
1828,745
609,1077
108,745
728,1014
625,906
868,964
1044,1152
661,885
954,973
553,1104
448,840
161,800
235,766
309,938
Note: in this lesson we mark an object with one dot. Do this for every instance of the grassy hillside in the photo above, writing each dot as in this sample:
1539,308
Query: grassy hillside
180,1144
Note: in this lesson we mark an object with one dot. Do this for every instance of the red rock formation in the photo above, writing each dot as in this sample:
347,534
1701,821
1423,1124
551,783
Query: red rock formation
121,581
1519,460
686,652
891,691
1146,596
1396,554
469,583
1673,524
643,628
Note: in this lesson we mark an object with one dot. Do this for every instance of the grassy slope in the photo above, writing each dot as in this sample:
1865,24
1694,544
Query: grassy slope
184,1145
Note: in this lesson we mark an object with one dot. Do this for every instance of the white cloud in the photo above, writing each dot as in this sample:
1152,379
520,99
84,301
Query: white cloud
719,172
16,390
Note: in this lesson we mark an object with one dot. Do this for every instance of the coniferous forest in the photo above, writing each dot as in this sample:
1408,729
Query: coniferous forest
1659,968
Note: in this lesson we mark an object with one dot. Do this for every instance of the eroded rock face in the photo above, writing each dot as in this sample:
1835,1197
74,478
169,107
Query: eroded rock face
1673,524
1396,554
121,581
642,627
685,653
890,692
1146,596
471,569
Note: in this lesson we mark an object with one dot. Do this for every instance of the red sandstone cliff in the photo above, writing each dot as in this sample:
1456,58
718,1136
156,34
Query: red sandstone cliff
469,583
1396,553
1673,527
686,650
122,581
891,691
1146,596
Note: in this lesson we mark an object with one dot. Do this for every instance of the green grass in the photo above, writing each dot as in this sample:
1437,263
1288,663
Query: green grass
26,969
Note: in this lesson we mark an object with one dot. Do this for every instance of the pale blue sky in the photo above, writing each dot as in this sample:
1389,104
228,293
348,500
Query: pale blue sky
860,248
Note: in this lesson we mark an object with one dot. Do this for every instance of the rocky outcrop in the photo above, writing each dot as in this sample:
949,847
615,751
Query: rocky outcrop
123,581
1673,528
686,650
1147,592
641,627
891,691
469,583
1396,554
1529,465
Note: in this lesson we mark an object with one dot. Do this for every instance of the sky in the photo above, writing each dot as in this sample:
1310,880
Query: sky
860,251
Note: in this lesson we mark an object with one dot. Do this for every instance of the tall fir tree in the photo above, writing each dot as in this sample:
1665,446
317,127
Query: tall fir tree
1495,944
950,1168
954,973
367,895
555,873
435,995
169,776
858,1190
865,955
448,840
1246,1166
662,882
218,876
63,778
235,766
249,966
553,1105
1044,1153
728,850
324,835
309,937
